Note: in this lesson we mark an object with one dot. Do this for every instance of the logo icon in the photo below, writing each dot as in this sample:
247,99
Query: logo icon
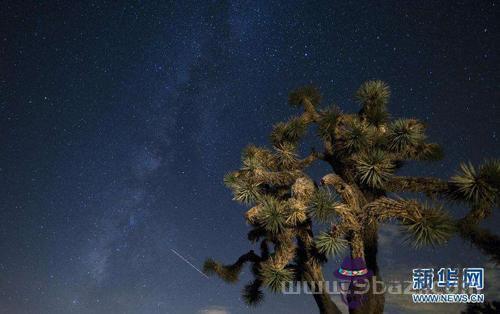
353,275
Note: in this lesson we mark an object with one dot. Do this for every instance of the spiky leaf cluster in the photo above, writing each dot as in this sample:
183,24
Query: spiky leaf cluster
478,186
254,157
490,171
331,244
287,156
227,273
322,205
405,134
426,152
374,96
354,136
274,276
429,226
272,216
288,132
374,168
230,179
252,293
244,191
310,93
327,123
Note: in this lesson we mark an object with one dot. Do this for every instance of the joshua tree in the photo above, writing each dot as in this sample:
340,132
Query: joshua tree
365,151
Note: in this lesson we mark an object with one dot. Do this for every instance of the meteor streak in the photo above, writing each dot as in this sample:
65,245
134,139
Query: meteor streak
185,260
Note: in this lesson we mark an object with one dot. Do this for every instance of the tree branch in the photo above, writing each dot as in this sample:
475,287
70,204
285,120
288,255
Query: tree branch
312,157
385,208
483,239
230,273
281,178
350,194
430,186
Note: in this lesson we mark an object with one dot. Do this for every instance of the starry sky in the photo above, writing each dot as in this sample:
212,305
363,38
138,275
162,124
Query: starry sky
118,120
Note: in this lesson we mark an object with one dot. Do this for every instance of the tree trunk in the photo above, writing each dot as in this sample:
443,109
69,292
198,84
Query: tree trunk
325,304
320,294
372,303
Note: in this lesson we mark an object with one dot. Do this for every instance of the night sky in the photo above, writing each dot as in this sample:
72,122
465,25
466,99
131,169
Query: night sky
119,120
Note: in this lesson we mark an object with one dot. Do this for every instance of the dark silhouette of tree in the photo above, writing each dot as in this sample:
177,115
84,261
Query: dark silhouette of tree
483,308
365,151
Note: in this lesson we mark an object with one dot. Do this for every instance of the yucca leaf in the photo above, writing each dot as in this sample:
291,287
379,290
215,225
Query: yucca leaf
311,93
328,122
404,134
329,244
254,157
490,172
275,277
227,273
245,192
287,155
428,152
250,163
252,293
374,168
355,136
376,116
373,94
231,179
322,205
430,226
249,151
288,132
272,216
471,186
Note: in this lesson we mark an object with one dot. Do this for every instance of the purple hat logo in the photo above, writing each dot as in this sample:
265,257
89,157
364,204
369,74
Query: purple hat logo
354,272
